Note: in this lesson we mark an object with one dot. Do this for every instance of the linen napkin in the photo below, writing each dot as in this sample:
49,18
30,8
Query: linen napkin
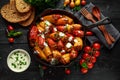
98,34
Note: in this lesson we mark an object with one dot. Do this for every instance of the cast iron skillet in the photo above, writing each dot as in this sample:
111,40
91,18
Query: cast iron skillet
104,21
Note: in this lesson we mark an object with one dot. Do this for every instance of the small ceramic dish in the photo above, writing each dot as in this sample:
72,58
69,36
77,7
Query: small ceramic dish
18,60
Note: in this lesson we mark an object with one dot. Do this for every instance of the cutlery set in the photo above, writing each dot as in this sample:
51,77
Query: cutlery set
96,13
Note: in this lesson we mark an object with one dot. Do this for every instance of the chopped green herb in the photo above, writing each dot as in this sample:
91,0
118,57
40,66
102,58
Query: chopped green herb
23,59
25,63
11,57
14,65
21,62
18,64
15,53
16,58
25,55
20,55
20,67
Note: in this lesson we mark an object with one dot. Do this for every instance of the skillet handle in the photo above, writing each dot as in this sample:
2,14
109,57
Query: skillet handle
103,21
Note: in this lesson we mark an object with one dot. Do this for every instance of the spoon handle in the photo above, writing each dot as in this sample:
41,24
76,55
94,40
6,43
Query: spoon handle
104,31
108,34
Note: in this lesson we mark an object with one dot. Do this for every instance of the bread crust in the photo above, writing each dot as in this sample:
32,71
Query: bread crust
29,20
10,13
22,6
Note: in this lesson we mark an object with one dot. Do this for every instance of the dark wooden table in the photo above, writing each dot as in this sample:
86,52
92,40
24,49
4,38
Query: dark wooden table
106,67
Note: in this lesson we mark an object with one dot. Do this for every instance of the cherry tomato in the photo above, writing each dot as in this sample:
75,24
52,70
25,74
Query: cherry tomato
81,61
73,54
89,33
92,59
86,56
67,71
71,37
44,67
78,33
96,46
90,65
83,2
87,49
96,54
53,29
10,28
51,43
61,28
11,40
84,70
60,44
40,41
33,32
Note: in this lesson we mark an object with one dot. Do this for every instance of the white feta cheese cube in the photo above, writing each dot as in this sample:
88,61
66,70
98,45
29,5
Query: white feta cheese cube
61,34
68,45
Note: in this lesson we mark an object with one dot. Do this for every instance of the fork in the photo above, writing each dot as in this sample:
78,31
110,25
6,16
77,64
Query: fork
89,16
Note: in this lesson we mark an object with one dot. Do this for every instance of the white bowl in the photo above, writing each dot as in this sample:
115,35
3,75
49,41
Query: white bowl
18,60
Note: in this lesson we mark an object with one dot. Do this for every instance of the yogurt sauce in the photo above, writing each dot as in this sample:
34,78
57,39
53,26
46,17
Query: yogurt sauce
18,60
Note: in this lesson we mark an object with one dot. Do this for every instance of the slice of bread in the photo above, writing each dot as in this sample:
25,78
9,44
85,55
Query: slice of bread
29,20
10,13
22,6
